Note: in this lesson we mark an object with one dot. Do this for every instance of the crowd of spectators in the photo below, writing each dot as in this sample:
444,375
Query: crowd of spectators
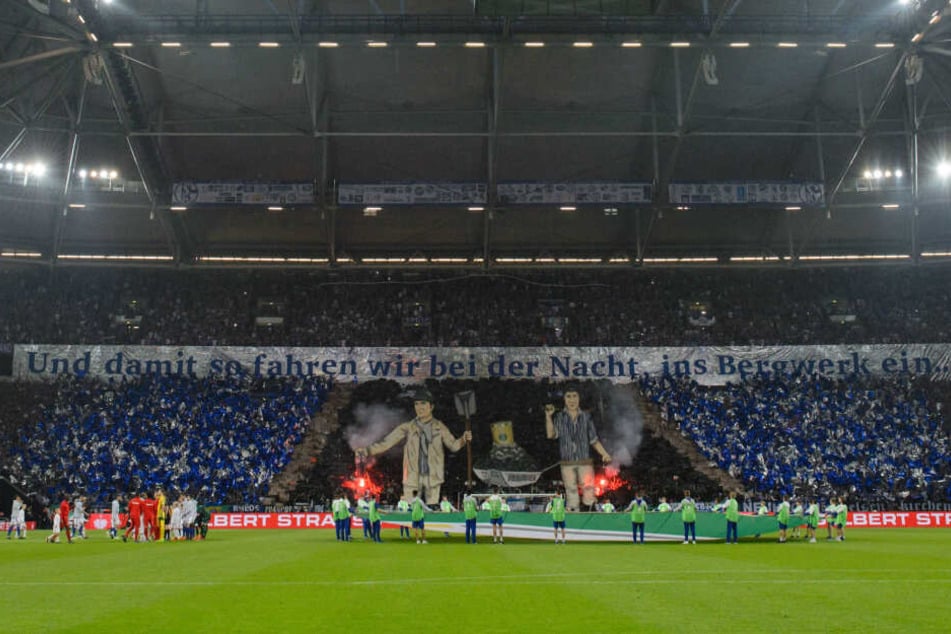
881,441
635,307
219,439
224,439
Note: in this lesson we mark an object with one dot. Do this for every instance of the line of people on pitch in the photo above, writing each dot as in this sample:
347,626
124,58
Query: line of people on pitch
149,518
369,511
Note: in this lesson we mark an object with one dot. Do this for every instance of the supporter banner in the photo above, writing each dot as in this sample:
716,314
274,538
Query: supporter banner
4,525
241,193
747,193
708,365
573,193
411,193
579,526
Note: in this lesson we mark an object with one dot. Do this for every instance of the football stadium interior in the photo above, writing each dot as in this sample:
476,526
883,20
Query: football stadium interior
624,185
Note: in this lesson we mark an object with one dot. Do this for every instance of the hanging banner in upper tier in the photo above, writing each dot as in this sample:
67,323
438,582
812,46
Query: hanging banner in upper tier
241,193
747,193
709,365
411,194
573,193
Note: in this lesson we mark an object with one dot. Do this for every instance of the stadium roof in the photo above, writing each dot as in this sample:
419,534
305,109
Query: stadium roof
586,91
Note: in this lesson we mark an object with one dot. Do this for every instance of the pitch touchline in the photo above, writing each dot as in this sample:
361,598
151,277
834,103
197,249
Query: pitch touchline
508,580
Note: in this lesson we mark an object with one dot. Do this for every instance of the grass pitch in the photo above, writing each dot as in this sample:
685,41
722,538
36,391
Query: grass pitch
305,581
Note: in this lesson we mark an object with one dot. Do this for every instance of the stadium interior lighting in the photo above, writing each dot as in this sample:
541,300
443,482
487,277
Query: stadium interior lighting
220,44
891,206
793,208
20,254
275,208
619,260
178,208
108,257
885,45
236,259
917,37
944,169
425,44
122,44
269,45
449,260
77,206
373,209
328,44
680,44
534,44
754,258
475,44
837,258
171,44
787,45
836,45
568,208
476,208
739,44
679,260
373,44
631,44
582,44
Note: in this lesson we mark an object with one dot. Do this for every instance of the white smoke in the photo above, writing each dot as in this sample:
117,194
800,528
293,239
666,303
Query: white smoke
373,422
622,425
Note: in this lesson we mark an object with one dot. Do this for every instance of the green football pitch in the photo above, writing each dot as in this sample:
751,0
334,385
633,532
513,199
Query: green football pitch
305,581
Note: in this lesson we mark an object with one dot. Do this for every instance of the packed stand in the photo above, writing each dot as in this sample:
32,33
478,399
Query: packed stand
880,441
637,307
222,439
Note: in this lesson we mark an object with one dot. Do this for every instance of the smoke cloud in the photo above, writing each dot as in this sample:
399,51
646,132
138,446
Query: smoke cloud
622,425
373,422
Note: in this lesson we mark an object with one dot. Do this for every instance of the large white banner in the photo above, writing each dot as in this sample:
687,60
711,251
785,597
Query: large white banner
708,365
411,193
532,193
241,193
747,193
